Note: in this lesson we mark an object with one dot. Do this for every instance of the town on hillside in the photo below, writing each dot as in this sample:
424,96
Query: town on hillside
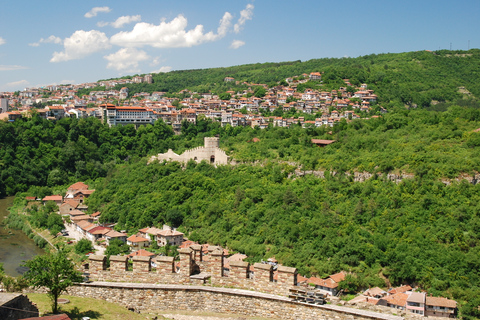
313,107
80,225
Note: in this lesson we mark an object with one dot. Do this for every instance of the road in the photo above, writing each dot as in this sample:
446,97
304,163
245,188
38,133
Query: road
74,234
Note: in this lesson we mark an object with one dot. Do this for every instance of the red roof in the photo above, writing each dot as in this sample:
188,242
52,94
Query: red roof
141,253
136,238
53,198
78,186
397,299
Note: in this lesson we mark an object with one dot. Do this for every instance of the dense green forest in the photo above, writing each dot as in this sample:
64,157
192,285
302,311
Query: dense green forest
424,230
397,78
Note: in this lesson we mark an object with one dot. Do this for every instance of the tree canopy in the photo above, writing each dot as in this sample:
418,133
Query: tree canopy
53,271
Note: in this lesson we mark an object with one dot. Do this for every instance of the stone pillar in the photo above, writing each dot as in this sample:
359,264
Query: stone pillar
197,252
238,272
263,274
165,265
287,277
97,263
141,264
118,264
185,261
216,266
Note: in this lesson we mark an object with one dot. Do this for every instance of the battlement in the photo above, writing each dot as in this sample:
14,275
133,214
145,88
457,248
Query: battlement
195,269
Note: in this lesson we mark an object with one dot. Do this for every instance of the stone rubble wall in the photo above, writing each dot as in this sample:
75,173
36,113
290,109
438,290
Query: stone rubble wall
148,298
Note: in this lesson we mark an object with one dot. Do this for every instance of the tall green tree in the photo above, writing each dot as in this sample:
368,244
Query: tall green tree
53,271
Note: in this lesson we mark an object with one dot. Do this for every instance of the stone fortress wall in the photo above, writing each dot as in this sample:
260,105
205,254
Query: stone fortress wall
210,152
199,283
192,269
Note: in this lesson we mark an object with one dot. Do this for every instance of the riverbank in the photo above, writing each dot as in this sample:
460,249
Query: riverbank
15,245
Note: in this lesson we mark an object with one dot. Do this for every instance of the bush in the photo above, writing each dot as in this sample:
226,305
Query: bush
83,246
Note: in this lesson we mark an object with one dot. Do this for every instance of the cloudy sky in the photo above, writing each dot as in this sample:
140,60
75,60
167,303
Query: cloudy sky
54,42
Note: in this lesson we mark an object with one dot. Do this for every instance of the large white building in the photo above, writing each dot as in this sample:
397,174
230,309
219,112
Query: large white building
137,116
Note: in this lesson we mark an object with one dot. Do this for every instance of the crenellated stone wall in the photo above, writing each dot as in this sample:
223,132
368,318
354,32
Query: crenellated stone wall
150,298
193,269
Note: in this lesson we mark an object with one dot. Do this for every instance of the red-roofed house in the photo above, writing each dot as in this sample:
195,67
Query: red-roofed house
56,198
397,301
330,284
141,253
137,242
440,307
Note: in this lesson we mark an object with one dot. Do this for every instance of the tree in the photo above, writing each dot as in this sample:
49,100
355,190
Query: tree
83,246
53,271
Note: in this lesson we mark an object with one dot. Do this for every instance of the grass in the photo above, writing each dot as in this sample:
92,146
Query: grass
85,307
97,309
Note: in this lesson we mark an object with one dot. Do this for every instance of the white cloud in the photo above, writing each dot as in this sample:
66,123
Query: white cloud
102,24
162,70
80,44
17,83
126,59
246,14
93,13
12,67
2,41
237,44
51,39
121,21
170,34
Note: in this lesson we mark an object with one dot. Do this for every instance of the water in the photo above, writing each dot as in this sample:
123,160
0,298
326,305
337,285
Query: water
15,246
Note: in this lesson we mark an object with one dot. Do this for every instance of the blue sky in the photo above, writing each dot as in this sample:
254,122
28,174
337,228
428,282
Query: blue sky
54,42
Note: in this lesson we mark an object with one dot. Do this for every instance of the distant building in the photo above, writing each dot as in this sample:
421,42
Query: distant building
137,116
3,104
210,153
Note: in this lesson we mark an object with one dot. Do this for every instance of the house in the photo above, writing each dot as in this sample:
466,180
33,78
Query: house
141,253
416,303
137,242
96,233
56,198
170,236
397,301
68,206
78,186
322,143
375,292
112,234
440,307
330,284
402,289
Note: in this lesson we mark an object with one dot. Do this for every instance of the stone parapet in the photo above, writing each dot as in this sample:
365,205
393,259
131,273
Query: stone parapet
150,297
165,265
141,264
118,263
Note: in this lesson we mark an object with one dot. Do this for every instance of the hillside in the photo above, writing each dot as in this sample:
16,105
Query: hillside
423,230
397,78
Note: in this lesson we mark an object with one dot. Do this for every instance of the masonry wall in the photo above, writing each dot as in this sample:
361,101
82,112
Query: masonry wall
192,263
145,298
210,151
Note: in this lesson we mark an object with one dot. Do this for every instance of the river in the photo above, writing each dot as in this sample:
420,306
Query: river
15,246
